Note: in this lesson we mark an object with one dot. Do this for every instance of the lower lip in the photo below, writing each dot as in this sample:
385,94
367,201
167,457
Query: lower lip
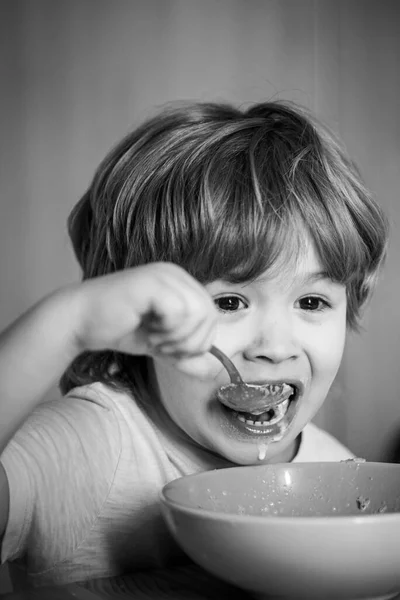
245,431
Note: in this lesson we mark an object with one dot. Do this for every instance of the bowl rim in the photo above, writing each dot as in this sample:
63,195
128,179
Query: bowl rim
279,520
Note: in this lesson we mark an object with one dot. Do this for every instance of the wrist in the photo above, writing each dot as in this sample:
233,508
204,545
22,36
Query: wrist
67,308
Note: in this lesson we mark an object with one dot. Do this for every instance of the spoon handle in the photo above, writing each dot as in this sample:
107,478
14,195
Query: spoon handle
228,364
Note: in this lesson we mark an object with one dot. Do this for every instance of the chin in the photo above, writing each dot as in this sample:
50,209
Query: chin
259,450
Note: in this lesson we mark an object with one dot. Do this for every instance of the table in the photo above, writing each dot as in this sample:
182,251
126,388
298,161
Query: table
188,582
180,583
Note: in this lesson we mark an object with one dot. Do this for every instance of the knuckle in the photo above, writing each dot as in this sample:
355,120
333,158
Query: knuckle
174,308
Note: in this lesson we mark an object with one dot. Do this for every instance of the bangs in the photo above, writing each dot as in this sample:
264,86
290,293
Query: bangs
243,241
245,205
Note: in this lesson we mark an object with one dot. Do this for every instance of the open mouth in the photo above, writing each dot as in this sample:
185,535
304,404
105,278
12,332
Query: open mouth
271,418
268,417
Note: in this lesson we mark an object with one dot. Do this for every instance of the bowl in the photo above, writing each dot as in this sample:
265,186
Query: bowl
293,530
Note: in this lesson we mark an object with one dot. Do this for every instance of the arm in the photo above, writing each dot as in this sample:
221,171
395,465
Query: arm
109,312
34,352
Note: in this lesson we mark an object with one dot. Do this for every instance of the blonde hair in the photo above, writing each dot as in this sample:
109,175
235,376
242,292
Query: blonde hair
224,192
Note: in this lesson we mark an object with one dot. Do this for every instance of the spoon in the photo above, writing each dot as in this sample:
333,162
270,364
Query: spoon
234,374
238,393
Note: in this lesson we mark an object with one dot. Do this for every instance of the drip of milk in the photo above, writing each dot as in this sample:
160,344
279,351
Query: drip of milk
262,451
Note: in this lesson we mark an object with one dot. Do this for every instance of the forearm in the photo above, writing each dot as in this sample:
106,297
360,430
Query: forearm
34,352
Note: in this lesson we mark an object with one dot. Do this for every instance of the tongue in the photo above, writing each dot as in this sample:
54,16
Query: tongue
265,416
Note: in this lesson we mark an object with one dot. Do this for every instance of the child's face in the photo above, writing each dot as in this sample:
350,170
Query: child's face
287,326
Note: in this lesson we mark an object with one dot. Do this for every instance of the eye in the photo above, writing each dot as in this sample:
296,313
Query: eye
313,303
229,303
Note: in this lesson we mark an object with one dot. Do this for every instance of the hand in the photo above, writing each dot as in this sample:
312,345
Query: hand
157,308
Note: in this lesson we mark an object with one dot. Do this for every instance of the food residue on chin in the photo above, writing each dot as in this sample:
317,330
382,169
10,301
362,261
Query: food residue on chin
262,451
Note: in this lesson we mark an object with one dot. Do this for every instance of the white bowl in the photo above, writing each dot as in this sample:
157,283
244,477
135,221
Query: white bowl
298,531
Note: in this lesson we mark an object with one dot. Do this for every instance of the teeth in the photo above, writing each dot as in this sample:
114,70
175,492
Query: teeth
276,393
279,411
277,388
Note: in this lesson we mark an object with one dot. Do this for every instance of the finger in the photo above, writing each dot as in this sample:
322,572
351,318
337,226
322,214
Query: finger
188,281
200,317
167,311
185,330
198,342
178,313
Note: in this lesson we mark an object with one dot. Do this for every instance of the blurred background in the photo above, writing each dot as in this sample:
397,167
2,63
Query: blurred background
76,75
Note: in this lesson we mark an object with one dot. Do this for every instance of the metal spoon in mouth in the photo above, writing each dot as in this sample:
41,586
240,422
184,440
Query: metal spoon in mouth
239,394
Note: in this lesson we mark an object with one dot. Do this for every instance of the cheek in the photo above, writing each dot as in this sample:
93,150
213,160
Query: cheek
181,390
186,399
204,369
328,352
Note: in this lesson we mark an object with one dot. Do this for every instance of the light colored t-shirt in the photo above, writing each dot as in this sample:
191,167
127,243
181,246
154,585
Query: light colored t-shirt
85,473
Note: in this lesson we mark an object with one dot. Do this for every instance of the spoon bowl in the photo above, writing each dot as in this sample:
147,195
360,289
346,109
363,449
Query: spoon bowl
238,394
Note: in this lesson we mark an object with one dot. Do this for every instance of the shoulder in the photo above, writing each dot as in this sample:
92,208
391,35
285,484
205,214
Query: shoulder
81,424
318,445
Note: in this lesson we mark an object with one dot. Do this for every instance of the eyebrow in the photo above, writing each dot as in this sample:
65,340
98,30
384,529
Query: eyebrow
315,276
305,279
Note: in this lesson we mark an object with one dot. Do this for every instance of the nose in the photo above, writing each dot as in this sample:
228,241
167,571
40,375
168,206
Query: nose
274,340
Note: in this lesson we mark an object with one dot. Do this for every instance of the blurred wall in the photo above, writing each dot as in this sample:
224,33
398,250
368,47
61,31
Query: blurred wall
76,75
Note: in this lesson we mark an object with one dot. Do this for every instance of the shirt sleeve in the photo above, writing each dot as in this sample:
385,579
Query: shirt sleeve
60,467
